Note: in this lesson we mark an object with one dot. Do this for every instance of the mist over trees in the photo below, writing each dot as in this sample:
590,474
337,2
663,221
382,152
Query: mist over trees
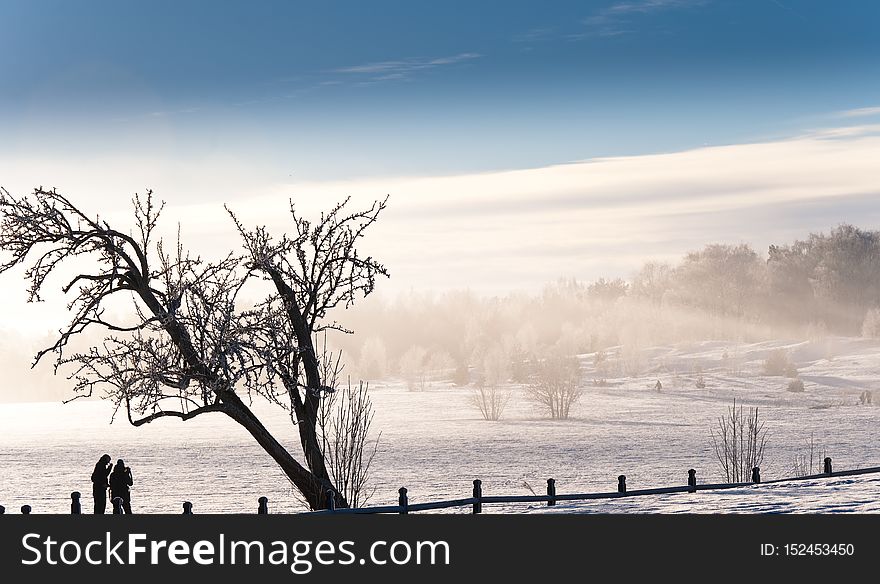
826,284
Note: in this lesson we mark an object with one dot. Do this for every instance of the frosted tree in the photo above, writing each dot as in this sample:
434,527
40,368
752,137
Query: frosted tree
556,385
739,440
489,396
373,361
413,368
871,324
178,344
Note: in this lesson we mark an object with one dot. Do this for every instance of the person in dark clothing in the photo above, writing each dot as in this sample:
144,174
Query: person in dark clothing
100,483
120,481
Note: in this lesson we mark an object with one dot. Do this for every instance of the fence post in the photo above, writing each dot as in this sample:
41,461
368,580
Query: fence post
263,507
828,465
117,505
331,500
621,484
478,494
2,510
403,501
756,474
187,508
25,509
551,492
75,507
692,480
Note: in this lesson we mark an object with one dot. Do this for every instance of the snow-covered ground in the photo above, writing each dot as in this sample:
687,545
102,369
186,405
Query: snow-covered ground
857,494
435,443
853,494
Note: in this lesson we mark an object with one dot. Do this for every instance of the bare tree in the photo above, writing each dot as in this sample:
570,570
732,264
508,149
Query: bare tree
413,368
344,421
739,440
187,349
373,361
556,385
488,396
810,459
490,400
344,427
313,271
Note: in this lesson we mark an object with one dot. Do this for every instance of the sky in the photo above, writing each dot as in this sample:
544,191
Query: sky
518,141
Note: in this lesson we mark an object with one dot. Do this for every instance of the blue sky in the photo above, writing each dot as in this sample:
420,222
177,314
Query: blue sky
332,89
519,141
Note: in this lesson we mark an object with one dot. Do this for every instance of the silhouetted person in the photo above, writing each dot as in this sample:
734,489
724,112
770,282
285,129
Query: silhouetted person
658,386
100,483
120,481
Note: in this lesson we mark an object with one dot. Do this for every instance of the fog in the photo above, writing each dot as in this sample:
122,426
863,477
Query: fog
823,284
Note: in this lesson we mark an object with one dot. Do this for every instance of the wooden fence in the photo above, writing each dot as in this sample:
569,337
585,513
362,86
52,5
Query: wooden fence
478,499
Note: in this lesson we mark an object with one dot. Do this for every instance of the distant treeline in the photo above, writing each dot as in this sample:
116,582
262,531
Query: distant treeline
830,281
824,284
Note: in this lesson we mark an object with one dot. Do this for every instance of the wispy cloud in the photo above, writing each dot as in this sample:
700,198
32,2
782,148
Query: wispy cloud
616,211
536,34
645,6
618,19
859,112
592,218
403,68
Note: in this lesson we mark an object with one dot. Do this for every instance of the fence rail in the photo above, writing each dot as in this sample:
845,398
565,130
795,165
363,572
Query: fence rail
477,499
551,498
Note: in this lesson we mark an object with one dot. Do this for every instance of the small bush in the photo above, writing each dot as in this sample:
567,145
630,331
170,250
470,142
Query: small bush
555,385
413,368
796,385
810,459
491,400
778,363
871,324
601,364
739,439
462,374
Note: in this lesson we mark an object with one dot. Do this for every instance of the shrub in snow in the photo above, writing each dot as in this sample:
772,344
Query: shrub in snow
871,324
700,381
555,385
739,439
810,459
778,363
413,368
796,385
600,362
490,400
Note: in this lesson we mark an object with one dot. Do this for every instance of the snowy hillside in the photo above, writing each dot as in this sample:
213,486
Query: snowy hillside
435,443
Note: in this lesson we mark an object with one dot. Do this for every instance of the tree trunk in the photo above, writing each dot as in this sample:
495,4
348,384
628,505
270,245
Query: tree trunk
312,487
311,400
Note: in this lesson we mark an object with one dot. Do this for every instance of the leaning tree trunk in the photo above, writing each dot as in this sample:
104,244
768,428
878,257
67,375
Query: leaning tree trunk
312,487
308,406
